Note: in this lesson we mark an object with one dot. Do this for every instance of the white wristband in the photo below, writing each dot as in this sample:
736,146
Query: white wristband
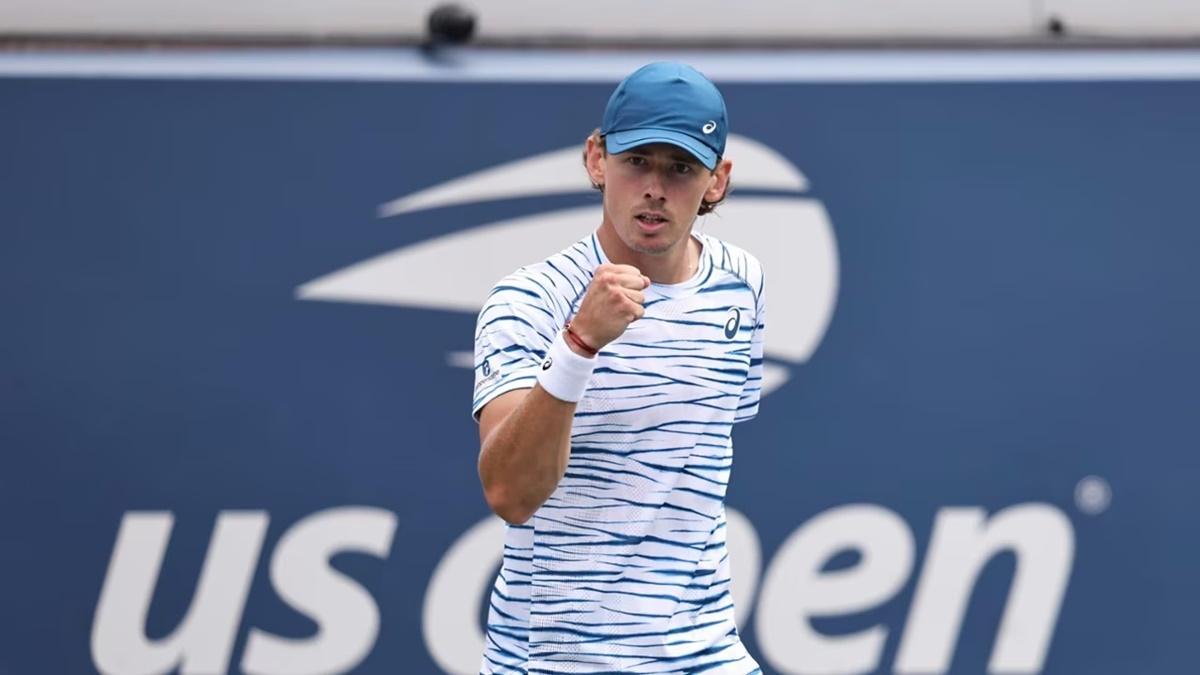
564,373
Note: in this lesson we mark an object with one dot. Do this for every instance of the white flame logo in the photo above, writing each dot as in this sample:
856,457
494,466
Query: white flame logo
790,233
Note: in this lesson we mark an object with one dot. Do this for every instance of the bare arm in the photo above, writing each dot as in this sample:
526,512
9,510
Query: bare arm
525,435
525,442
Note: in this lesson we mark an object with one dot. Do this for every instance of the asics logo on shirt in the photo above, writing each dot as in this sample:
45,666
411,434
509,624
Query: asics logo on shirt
733,322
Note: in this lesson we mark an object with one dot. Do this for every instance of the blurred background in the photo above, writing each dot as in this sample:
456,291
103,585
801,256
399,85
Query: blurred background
244,244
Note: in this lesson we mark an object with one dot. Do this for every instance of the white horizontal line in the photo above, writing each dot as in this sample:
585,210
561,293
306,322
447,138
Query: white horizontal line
475,65
464,359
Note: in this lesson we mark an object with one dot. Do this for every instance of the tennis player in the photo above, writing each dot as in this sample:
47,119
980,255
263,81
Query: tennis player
608,379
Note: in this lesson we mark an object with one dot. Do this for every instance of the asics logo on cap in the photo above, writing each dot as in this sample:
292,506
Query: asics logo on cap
709,127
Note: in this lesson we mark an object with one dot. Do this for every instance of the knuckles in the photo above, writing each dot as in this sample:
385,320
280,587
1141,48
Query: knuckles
607,296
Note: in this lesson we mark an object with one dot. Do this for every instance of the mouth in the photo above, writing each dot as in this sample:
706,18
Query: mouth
651,221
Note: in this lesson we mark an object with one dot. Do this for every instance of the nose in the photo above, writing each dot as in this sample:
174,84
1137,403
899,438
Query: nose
654,188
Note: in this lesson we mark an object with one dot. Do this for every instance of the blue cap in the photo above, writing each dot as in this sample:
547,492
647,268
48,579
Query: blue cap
667,103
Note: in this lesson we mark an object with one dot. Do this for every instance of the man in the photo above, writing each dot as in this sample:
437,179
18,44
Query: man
608,380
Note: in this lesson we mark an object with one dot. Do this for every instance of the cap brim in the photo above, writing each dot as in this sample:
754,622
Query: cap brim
617,142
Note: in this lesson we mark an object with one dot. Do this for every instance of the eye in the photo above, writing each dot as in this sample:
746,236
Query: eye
683,168
635,160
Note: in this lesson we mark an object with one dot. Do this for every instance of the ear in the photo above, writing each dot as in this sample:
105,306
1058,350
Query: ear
719,184
594,160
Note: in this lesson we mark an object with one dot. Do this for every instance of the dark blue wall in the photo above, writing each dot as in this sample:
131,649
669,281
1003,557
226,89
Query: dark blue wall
1019,307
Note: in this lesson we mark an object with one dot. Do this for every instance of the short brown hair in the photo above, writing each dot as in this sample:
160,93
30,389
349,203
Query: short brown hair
706,207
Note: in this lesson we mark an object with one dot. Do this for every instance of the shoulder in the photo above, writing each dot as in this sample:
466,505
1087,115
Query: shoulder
737,262
567,271
552,284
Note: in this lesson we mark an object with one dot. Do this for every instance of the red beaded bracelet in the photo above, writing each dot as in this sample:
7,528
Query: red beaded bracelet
574,339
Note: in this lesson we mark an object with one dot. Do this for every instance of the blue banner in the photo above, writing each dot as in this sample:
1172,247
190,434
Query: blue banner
236,381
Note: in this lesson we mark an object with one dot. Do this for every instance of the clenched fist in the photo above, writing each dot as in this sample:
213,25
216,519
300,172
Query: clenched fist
614,300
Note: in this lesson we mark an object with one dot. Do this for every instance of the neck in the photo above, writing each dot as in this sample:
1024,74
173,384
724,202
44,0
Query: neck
675,265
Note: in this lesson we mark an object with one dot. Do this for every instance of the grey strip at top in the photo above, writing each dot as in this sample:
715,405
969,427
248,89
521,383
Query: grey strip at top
490,65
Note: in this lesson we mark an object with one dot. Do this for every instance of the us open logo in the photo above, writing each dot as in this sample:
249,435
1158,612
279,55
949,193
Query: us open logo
772,215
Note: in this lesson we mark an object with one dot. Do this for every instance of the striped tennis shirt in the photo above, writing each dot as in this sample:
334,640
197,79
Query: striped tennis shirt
624,569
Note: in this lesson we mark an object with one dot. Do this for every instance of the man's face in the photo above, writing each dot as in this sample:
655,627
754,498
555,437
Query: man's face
652,194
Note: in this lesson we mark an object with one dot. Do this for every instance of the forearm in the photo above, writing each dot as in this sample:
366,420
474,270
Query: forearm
525,436
523,459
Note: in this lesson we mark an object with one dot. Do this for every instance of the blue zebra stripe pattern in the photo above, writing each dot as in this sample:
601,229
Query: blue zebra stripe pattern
624,569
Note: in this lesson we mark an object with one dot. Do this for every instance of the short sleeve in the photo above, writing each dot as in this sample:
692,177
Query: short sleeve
513,333
752,390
